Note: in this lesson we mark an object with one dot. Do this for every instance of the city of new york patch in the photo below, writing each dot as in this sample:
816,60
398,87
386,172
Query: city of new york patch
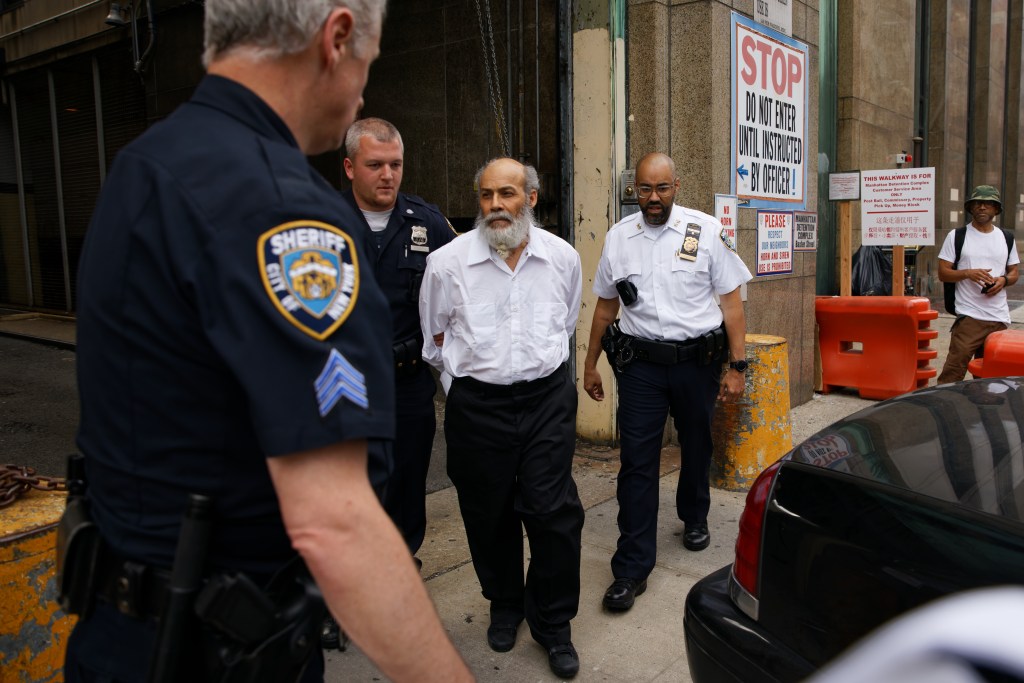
311,273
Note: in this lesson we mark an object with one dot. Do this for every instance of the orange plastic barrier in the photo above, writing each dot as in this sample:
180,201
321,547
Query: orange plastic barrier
1004,355
875,344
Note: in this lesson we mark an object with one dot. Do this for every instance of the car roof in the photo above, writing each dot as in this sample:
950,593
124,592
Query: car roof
957,442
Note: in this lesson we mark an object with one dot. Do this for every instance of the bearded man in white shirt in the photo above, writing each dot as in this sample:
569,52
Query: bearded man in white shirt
498,306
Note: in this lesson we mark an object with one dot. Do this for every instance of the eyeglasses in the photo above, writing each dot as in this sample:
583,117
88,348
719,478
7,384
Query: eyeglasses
662,189
986,202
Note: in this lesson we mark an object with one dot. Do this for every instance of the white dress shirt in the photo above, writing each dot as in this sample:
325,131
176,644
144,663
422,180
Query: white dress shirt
500,326
676,296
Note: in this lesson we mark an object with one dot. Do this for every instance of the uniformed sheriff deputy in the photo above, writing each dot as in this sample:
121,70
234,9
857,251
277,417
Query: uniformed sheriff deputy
225,329
402,231
665,267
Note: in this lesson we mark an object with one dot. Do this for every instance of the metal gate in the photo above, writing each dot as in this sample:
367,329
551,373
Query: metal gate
60,128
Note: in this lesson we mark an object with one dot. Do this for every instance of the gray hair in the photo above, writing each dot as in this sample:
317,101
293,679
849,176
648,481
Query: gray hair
531,180
274,28
378,129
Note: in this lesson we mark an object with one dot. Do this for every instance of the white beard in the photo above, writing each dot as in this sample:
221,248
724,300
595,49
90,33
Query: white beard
504,240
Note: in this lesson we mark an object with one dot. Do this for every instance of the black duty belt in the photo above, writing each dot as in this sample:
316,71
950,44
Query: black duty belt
664,352
135,589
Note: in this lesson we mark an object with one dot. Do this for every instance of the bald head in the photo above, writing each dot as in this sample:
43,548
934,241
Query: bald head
528,174
655,162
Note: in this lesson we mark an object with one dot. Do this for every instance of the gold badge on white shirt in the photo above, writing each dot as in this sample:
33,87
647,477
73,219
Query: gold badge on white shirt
691,239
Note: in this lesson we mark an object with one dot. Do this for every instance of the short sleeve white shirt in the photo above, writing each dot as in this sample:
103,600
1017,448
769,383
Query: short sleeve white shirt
981,250
676,296
500,326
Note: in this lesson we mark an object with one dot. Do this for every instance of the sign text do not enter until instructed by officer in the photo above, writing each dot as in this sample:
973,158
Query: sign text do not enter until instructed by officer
769,117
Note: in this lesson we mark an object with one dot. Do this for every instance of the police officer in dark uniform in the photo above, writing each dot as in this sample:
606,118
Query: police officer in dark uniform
225,323
402,230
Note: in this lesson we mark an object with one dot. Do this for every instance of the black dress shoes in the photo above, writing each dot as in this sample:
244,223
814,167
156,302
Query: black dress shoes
696,536
502,637
331,635
563,660
622,593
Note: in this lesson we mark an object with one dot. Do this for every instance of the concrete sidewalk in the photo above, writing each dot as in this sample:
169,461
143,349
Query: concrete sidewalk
644,644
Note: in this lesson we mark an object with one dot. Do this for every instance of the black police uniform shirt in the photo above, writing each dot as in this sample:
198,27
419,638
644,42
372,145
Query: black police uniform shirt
225,315
415,230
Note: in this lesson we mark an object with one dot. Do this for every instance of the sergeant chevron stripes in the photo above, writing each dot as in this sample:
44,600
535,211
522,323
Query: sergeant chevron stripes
340,380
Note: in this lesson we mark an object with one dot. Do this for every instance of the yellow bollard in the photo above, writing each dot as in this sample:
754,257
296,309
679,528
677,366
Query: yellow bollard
33,630
753,432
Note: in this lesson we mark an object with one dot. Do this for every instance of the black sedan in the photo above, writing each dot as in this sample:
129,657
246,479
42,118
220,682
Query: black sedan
908,500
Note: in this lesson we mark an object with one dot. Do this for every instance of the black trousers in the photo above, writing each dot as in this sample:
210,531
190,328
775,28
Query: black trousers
510,453
110,647
648,392
404,496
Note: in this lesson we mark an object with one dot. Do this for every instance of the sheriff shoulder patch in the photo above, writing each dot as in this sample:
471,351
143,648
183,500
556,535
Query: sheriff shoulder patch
311,273
726,240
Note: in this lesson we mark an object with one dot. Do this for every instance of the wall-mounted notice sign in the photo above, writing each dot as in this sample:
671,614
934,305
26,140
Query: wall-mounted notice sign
769,117
843,186
774,242
725,212
897,207
805,226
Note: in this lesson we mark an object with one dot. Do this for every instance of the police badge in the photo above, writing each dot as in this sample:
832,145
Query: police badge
691,240
309,270
419,239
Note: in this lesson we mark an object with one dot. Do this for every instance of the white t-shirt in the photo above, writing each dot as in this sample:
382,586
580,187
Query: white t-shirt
377,220
981,250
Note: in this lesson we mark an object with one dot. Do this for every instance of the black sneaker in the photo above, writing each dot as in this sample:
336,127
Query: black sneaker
622,593
564,661
502,637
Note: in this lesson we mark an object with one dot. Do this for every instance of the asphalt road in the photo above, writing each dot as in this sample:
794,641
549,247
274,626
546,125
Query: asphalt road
38,405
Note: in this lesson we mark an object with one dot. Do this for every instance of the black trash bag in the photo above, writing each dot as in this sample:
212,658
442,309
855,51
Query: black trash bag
872,272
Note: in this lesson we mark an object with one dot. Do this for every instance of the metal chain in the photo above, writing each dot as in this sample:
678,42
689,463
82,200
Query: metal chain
497,106
15,480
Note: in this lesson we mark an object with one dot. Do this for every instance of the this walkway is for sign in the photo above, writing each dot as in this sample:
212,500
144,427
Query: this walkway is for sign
897,206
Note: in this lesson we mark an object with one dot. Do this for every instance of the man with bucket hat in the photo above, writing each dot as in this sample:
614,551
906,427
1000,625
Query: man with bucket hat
980,260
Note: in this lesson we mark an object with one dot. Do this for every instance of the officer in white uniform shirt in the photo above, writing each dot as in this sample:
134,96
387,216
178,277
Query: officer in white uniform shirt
498,306
665,266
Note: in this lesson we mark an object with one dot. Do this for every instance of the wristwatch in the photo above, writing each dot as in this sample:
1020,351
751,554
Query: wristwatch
739,365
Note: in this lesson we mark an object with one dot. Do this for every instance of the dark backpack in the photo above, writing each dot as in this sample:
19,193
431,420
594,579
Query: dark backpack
949,288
